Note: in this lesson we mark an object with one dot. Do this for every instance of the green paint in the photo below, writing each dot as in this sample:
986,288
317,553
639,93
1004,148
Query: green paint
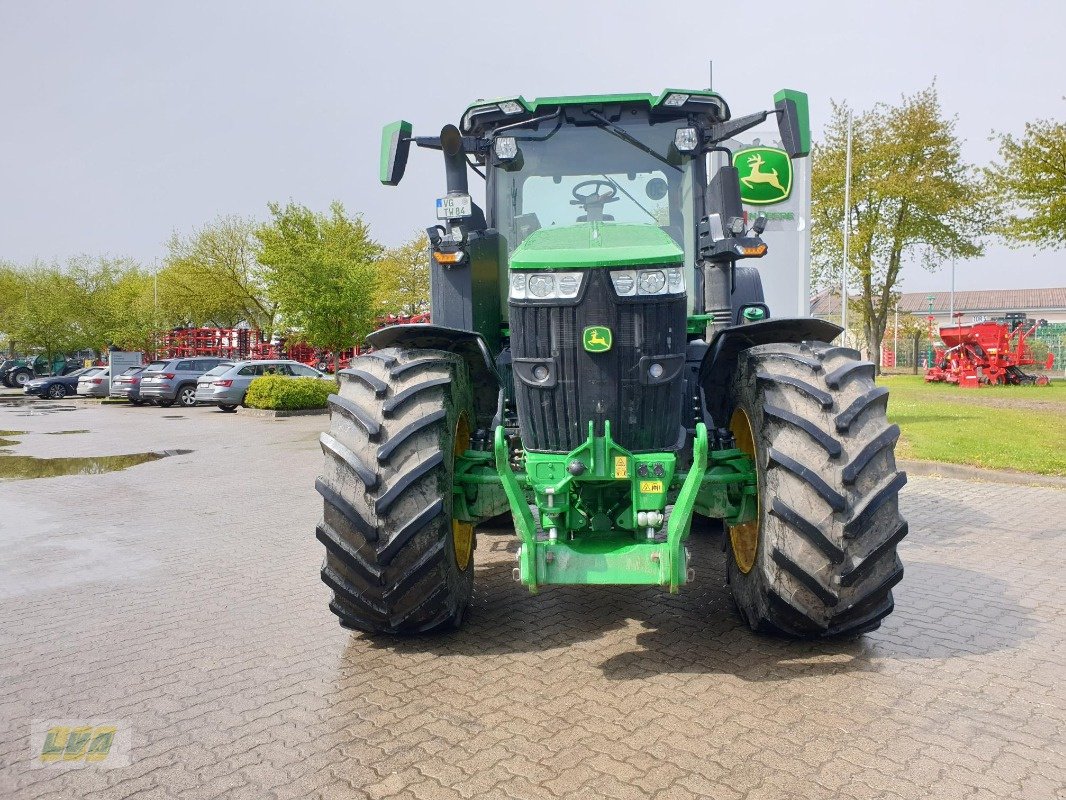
597,339
765,175
802,113
542,104
681,517
391,135
596,244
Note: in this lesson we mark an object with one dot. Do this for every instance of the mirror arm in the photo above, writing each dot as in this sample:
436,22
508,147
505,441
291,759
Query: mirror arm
720,131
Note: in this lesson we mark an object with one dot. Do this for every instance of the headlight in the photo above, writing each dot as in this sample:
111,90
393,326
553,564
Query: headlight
625,282
686,139
506,148
652,281
666,280
545,285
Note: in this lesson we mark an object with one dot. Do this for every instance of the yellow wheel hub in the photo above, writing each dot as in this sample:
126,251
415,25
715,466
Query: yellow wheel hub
744,538
462,532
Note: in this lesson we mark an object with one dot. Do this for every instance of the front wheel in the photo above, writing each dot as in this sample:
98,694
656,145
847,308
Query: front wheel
396,559
20,378
57,391
820,557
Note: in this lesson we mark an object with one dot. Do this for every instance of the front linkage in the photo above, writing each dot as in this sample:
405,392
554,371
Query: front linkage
601,510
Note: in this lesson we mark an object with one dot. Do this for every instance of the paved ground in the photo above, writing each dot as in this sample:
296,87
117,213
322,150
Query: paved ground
181,598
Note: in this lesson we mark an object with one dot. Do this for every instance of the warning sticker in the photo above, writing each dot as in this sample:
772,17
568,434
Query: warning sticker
651,487
621,467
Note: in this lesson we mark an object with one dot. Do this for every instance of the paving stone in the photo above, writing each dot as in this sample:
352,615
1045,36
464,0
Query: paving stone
181,599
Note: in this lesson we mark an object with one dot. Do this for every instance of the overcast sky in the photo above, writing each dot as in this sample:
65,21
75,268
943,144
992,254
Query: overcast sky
122,122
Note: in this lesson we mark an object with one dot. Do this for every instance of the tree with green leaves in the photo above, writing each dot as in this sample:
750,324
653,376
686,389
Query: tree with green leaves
403,278
211,277
913,199
321,271
1030,179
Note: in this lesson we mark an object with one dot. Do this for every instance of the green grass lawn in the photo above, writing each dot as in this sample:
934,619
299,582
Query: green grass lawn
1005,427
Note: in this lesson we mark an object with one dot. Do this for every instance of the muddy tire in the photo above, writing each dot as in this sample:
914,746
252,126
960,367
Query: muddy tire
821,558
395,560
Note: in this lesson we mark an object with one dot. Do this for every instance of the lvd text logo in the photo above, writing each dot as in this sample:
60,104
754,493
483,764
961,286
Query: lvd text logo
80,744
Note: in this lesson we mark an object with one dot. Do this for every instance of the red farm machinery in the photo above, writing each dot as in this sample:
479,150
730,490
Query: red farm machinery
249,344
990,353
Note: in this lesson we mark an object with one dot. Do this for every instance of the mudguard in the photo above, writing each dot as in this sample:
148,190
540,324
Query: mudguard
471,346
720,361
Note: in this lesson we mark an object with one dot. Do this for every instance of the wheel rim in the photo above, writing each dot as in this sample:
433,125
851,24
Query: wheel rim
744,538
22,379
187,397
462,532
56,392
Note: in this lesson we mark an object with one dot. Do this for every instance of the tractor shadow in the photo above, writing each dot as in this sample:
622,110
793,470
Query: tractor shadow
942,612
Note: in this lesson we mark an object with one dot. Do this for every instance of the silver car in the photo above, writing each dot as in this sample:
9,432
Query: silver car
226,385
95,383
174,380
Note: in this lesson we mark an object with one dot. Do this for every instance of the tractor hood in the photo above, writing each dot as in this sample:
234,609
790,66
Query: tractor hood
596,244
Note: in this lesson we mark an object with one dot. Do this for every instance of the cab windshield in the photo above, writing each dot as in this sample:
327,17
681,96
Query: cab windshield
646,180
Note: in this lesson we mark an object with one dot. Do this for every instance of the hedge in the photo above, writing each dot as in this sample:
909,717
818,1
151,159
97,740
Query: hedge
288,394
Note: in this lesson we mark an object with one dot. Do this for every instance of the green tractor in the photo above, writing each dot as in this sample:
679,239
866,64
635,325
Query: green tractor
601,365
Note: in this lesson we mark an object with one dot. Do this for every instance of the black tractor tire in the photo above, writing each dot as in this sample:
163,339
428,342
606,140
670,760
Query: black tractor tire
20,377
186,396
828,525
227,408
57,391
394,559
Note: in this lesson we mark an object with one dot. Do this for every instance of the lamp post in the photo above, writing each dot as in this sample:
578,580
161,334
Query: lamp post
847,236
929,349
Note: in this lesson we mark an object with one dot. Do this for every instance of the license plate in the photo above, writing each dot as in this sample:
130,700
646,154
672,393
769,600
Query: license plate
203,387
454,206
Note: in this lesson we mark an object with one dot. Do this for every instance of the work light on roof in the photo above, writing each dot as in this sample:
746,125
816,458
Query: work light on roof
675,100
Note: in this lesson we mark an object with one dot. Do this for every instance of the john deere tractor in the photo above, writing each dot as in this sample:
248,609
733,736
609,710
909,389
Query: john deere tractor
602,364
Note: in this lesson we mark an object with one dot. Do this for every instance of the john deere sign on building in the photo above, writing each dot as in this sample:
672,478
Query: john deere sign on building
765,175
779,189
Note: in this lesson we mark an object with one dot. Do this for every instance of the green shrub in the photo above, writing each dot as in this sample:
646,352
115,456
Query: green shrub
288,394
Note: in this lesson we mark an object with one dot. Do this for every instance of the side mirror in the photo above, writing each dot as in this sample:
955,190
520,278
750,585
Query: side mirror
793,121
395,147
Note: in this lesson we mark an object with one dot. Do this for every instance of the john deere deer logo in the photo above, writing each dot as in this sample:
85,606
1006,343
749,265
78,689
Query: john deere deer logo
597,339
765,175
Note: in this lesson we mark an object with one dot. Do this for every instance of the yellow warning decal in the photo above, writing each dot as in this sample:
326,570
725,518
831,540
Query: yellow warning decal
651,487
621,467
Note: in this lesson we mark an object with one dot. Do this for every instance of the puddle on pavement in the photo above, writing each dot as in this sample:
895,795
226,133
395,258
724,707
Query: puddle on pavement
63,433
19,467
173,416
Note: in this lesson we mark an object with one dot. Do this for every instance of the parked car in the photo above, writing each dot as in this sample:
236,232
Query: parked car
174,380
226,385
127,386
95,383
57,387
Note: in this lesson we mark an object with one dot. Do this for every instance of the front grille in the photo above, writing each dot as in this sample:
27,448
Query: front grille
597,387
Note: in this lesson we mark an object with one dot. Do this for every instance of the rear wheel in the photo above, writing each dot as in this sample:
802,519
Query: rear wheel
164,403
396,560
820,557
136,402
57,391
226,407
21,377
187,396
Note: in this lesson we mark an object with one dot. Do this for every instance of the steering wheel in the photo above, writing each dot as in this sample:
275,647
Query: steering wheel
594,197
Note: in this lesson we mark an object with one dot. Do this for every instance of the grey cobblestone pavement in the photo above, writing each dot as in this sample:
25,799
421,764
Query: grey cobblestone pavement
181,598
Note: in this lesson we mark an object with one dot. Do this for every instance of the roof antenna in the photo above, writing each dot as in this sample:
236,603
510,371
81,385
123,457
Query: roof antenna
710,76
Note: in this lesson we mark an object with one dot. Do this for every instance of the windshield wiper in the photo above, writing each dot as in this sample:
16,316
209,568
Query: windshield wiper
621,133
622,189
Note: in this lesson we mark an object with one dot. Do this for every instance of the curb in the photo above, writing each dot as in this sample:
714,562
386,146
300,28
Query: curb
937,469
270,413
